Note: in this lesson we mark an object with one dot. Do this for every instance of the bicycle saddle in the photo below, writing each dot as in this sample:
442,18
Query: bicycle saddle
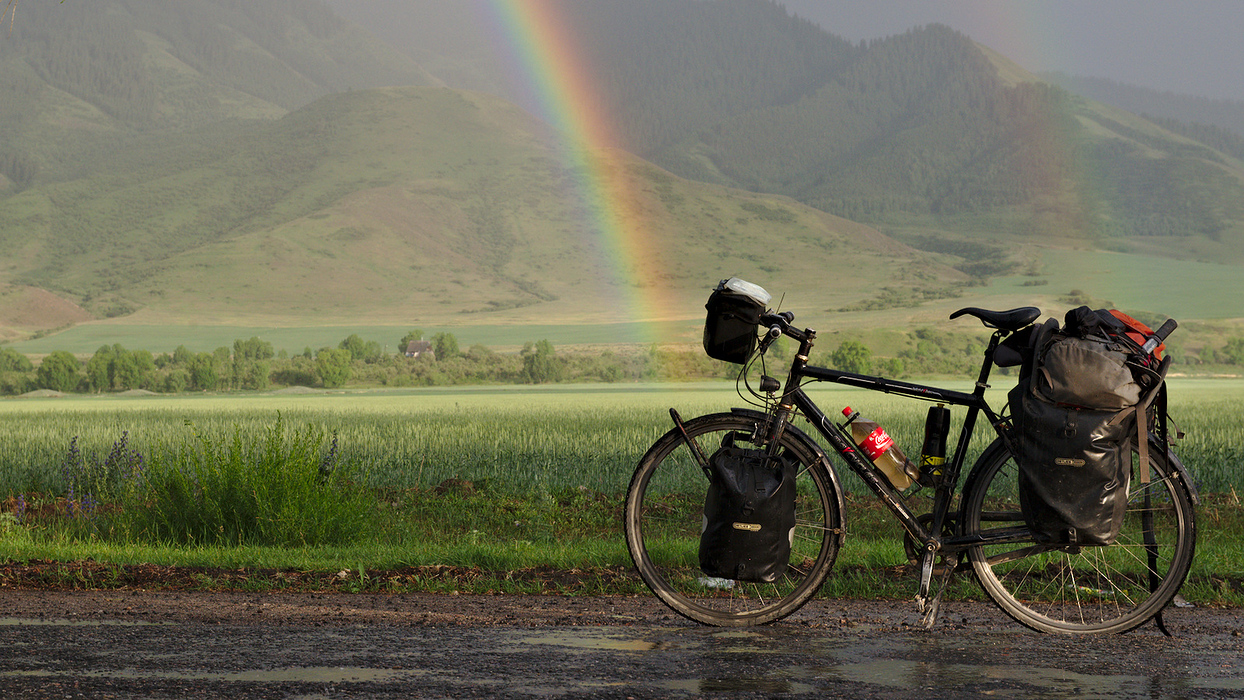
1012,320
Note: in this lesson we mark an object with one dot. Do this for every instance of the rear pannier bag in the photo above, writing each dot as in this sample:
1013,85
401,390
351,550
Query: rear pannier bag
1074,471
1075,410
734,310
749,515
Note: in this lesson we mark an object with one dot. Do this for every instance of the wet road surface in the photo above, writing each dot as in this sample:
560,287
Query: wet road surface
623,648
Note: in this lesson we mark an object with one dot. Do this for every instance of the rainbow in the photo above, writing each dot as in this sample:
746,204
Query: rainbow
555,70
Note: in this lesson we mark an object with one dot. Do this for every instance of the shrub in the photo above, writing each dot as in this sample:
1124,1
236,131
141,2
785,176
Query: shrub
359,349
13,361
333,367
853,356
280,488
59,372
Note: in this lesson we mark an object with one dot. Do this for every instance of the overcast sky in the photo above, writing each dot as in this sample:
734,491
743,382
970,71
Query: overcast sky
1194,47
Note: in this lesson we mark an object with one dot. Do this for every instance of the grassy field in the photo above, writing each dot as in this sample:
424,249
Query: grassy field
1184,289
523,438
496,479
1206,297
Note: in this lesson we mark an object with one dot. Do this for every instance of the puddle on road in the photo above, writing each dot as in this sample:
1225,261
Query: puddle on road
66,622
327,674
803,665
590,642
869,664
1046,682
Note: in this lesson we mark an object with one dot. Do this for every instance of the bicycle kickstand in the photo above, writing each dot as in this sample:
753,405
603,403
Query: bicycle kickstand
926,606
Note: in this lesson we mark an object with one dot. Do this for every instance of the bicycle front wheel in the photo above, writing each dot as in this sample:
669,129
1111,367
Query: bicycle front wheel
664,517
1087,589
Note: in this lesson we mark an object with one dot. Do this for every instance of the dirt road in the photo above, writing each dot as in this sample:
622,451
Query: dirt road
139,644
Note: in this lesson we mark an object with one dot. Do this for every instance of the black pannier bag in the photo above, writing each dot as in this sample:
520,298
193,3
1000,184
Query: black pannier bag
1076,411
734,310
749,515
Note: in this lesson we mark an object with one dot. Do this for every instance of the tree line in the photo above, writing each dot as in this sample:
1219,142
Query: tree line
252,364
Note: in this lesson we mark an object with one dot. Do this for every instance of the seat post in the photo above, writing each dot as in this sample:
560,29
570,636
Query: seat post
982,381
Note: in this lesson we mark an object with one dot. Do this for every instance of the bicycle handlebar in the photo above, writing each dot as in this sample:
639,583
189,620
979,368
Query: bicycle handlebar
782,320
778,325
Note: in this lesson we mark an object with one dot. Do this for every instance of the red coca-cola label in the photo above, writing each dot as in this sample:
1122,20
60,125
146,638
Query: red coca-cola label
877,443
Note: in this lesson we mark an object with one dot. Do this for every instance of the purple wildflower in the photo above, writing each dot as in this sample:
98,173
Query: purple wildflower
330,460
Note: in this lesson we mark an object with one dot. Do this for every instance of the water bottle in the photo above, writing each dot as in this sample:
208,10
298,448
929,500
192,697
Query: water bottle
879,447
933,453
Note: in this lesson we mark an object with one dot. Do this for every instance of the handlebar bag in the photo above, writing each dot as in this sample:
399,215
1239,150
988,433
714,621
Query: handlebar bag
734,310
749,515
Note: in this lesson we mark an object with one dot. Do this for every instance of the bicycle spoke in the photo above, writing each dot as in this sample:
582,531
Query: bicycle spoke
664,523
1087,588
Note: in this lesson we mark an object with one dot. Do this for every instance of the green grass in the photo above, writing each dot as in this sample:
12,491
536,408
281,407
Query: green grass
530,483
526,439
1184,289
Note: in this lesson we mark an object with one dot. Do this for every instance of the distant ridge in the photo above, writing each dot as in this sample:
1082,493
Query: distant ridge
72,74
926,134
1224,114
400,205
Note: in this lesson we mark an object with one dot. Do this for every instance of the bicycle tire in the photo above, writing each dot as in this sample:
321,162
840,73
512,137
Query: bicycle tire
664,517
1085,590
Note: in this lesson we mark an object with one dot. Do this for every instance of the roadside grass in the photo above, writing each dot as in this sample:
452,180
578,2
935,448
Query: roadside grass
473,491
459,540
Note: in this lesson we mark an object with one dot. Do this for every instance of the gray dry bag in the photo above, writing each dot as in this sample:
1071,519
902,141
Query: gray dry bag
1075,411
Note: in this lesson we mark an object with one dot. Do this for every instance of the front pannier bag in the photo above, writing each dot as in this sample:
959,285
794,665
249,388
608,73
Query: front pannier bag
749,515
1075,410
734,310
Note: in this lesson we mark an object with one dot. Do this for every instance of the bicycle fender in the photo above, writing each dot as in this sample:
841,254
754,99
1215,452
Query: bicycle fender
820,455
1179,468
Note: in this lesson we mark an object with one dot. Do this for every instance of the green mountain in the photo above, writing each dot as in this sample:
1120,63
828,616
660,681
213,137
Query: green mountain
1160,104
404,205
927,135
79,77
240,162
928,132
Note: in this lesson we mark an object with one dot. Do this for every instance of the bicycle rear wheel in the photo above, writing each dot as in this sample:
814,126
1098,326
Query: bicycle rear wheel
665,514
1089,589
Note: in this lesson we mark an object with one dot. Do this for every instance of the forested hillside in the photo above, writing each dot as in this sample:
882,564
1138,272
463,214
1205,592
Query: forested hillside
920,130
1188,109
79,76
926,134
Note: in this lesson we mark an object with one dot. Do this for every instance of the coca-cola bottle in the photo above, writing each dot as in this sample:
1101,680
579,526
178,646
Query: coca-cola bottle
879,447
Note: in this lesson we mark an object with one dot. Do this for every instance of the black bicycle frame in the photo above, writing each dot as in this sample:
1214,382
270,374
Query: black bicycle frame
794,398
